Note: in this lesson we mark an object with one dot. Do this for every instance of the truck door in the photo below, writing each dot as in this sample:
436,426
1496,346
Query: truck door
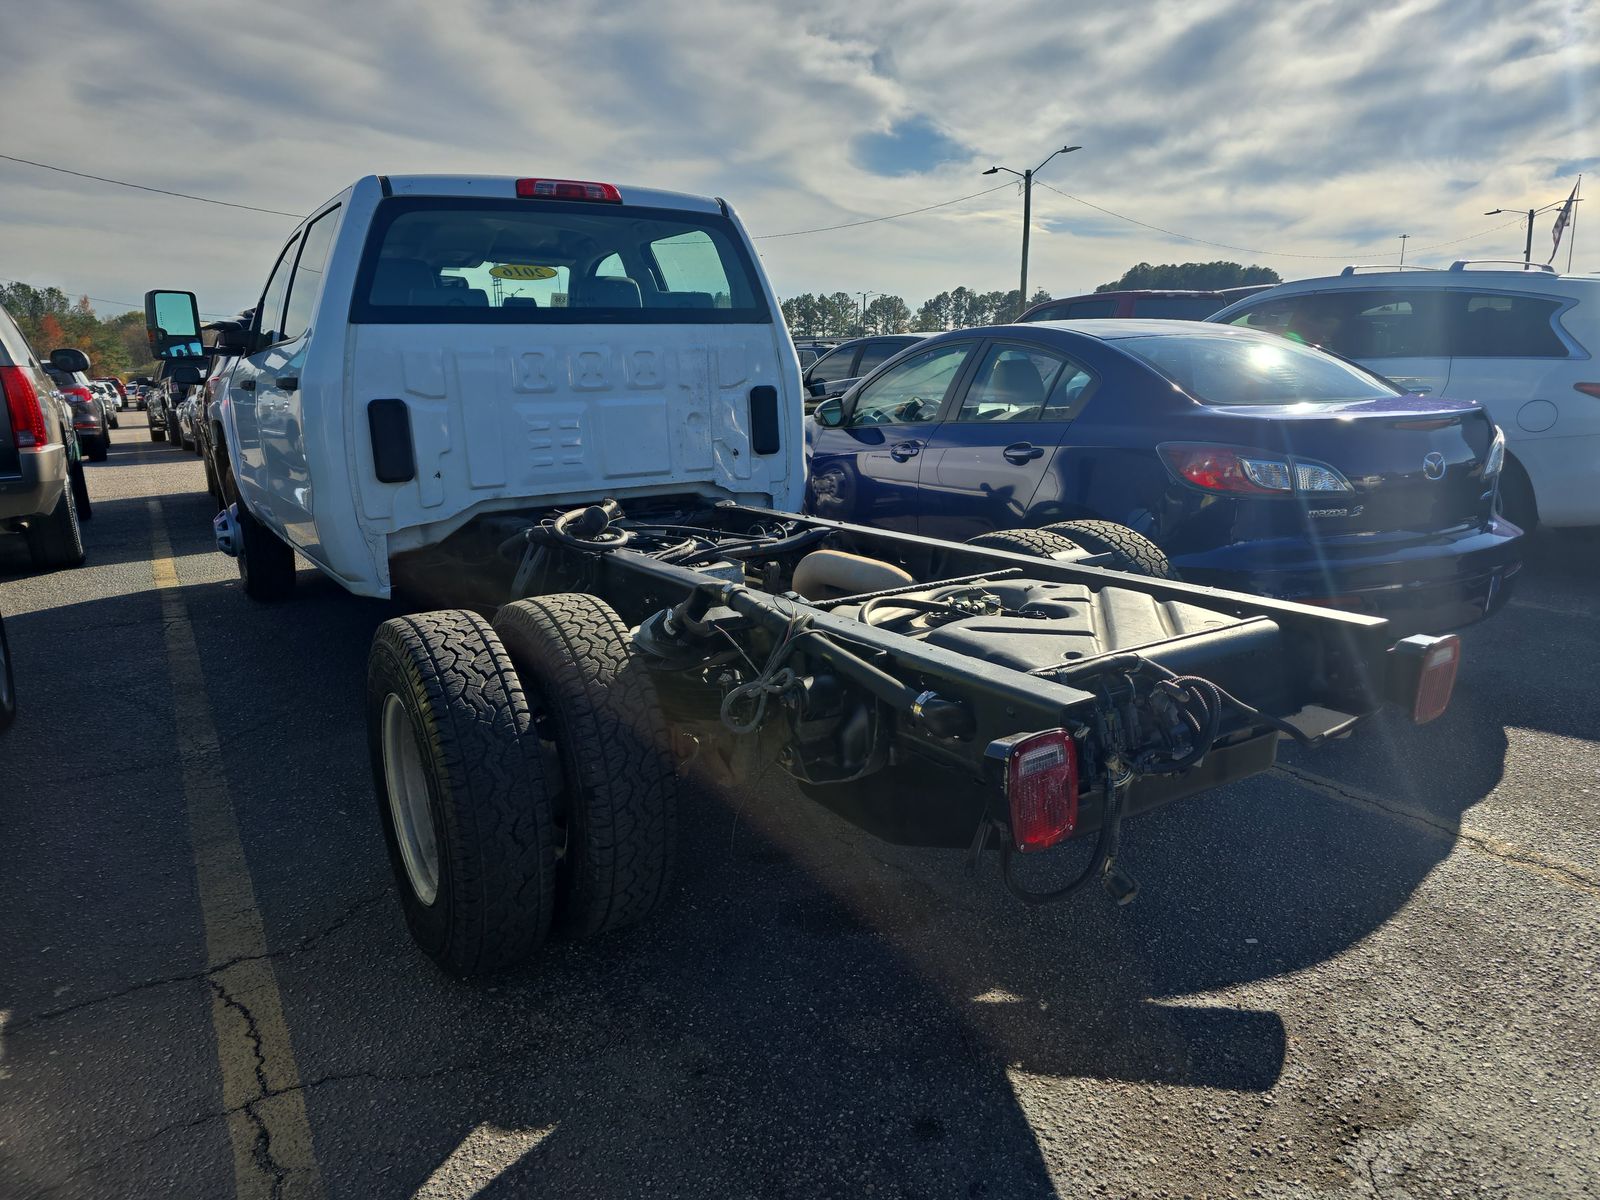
253,381
984,463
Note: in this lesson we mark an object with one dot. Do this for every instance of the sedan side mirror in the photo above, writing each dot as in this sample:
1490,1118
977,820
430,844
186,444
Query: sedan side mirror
830,413
69,359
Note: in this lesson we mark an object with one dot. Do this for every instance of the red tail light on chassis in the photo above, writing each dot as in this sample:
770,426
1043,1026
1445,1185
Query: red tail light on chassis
568,189
27,413
1041,786
1422,674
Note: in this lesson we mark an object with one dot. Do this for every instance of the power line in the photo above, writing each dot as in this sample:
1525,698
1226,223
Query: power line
141,187
1265,253
910,212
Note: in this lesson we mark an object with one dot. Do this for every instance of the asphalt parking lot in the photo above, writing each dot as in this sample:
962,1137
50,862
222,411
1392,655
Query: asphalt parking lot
1369,972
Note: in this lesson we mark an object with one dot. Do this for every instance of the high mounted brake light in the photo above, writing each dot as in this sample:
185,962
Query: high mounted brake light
1041,786
568,189
27,413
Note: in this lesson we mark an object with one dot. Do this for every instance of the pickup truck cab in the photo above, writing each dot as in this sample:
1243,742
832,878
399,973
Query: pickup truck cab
429,349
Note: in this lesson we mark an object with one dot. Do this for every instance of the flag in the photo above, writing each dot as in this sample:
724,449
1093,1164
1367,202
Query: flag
1562,218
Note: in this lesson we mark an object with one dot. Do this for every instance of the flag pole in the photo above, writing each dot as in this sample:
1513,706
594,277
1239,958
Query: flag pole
1572,243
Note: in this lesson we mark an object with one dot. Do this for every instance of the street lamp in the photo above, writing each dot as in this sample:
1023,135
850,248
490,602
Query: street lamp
1527,249
1404,237
1027,213
864,296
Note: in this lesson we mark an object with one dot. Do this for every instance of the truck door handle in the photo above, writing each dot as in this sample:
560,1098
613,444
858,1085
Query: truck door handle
247,385
1021,452
288,382
904,450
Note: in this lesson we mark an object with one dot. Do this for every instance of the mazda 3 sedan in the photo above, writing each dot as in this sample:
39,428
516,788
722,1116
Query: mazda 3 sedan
1255,463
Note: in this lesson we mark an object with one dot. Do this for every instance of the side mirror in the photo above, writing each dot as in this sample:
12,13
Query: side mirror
69,359
829,414
172,323
185,375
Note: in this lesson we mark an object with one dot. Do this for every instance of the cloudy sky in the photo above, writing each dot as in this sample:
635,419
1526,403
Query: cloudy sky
1321,129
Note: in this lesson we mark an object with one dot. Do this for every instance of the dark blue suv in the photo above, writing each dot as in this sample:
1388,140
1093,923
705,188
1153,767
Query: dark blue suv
1257,464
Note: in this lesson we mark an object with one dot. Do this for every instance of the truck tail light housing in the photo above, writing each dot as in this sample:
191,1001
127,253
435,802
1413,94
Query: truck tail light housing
1248,473
27,413
1437,679
1422,674
1041,786
568,189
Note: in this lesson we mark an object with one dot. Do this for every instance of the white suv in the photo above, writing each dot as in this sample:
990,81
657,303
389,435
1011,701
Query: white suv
1520,342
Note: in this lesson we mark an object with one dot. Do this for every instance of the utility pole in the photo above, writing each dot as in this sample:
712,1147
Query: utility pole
1527,244
1403,238
1027,215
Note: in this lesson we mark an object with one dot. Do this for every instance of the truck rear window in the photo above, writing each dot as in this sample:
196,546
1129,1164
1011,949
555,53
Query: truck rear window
466,261
1252,370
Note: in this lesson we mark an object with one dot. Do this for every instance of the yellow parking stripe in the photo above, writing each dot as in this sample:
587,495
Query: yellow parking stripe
273,1153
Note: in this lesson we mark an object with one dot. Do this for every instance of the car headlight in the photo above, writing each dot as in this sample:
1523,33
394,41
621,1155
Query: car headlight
1495,460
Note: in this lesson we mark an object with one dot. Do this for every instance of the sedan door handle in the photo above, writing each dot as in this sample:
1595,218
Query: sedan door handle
1021,452
247,385
288,382
904,450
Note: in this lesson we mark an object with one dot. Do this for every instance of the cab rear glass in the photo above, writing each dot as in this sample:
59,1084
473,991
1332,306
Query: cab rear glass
441,260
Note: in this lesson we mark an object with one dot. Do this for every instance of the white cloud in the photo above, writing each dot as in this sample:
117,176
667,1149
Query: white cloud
1320,128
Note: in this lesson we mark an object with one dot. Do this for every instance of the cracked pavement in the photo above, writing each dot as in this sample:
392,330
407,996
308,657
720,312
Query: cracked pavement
1369,972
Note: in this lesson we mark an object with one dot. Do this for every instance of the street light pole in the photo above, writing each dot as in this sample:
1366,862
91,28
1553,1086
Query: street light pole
1527,245
1403,238
864,296
1027,216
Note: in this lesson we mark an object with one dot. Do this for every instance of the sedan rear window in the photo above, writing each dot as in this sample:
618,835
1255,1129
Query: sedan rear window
1250,370
516,262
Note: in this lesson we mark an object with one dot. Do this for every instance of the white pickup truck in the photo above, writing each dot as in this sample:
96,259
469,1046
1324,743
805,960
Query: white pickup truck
574,408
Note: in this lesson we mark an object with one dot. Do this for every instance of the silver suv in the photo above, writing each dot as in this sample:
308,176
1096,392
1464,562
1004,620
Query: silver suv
36,496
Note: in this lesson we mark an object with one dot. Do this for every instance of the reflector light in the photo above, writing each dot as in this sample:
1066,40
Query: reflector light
1437,679
1042,789
568,189
1588,389
28,429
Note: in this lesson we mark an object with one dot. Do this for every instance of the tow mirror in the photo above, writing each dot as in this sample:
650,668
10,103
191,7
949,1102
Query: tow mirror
172,323
830,413
69,359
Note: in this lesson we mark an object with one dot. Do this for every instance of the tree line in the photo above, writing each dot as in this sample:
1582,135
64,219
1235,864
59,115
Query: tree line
50,320
841,314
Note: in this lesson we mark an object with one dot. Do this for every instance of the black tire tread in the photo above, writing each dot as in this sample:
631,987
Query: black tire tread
1137,554
497,852
621,783
1038,543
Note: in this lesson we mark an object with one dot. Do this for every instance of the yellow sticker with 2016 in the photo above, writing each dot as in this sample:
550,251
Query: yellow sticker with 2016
522,271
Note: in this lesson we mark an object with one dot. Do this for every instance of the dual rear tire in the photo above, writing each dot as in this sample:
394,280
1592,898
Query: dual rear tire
524,775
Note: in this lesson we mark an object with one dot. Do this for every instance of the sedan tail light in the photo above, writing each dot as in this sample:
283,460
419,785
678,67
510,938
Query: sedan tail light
1247,473
1041,787
27,413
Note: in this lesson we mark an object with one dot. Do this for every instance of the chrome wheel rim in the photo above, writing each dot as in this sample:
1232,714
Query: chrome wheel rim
406,780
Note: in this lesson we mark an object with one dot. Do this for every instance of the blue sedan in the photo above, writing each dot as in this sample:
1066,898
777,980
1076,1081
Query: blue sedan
1255,463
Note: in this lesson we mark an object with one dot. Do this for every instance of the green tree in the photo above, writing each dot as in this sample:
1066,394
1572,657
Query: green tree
888,314
934,315
1200,277
51,321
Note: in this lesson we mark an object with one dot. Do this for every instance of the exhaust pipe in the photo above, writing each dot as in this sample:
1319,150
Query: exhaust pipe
225,528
